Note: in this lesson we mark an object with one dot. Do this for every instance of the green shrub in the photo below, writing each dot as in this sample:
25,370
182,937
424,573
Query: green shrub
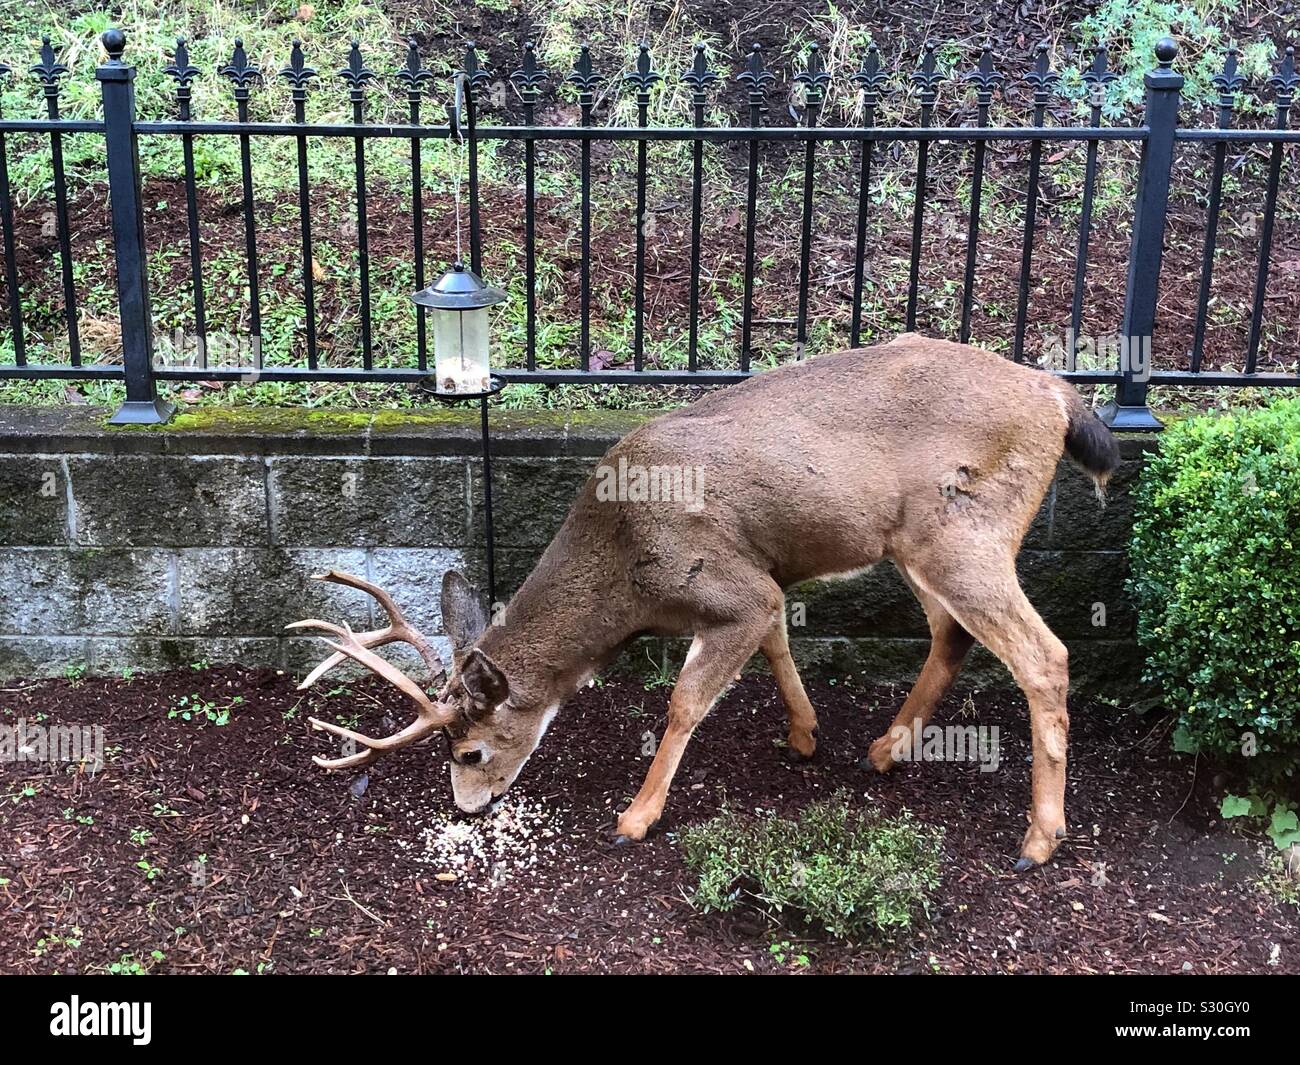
1216,580
851,873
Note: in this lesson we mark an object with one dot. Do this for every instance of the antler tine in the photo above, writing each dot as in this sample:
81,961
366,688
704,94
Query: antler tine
354,649
359,647
429,717
377,638
398,628
362,757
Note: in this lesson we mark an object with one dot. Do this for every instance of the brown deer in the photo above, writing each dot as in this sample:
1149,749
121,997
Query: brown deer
931,454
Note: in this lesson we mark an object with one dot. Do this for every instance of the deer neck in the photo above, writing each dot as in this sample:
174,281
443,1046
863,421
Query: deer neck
566,622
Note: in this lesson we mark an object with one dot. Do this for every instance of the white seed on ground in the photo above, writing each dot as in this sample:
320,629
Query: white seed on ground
480,853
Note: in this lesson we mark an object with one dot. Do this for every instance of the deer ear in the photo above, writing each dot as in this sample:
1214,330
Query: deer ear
483,680
463,616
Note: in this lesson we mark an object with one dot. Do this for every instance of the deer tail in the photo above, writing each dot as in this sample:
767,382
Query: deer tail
1091,444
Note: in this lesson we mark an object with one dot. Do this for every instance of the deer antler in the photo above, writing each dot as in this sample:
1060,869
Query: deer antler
358,646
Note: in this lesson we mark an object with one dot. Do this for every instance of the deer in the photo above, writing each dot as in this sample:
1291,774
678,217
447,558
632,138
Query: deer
933,455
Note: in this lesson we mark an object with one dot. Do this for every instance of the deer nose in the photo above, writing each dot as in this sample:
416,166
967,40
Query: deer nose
468,756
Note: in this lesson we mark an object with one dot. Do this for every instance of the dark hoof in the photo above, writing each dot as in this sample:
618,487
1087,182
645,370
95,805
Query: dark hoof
1060,833
1025,864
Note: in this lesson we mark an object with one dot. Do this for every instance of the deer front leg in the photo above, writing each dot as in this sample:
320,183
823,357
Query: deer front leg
715,657
803,719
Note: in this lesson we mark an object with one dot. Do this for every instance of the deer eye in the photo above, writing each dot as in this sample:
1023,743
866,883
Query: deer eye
471,758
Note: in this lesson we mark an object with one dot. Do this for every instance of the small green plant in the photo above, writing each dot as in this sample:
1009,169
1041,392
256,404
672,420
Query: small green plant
130,965
53,941
784,950
1281,877
853,873
1216,578
1277,813
658,673
151,871
196,708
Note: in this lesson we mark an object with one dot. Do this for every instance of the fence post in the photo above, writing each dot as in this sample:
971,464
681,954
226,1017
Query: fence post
1129,408
116,79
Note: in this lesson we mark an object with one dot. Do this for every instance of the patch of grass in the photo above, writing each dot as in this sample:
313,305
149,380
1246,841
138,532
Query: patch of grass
852,873
1279,882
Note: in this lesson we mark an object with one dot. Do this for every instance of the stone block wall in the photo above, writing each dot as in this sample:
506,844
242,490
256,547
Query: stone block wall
153,548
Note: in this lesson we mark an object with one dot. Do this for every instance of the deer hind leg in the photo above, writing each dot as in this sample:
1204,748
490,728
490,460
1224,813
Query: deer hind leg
716,656
803,719
949,644
979,588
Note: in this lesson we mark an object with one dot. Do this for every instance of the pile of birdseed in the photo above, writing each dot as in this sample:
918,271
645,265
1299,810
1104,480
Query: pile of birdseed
484,852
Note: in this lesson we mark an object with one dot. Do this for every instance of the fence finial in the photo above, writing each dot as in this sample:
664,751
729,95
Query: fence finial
240,71
180,67
1166,52
926,78
755,77
114,42
356,73
413,73
814,78
870,78
644,77
1043,77
1229,82
297,72
584,76
49,69
1098,76
698,76
529,77
984,77
1284,82
476,74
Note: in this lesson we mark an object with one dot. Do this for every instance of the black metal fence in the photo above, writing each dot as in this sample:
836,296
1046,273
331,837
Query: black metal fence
1131,375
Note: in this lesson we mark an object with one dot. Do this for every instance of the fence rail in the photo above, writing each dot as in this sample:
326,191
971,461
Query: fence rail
1131,375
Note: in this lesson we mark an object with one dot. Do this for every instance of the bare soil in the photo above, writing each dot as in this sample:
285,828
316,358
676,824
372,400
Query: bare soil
255,860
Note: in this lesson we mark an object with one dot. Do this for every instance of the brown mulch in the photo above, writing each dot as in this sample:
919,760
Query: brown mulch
261,862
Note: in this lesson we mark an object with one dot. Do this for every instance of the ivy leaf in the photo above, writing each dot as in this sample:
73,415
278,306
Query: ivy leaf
1284,828
1184,741
1234,806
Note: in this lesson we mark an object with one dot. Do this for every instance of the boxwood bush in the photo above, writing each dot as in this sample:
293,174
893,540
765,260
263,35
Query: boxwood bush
1216,579
849,872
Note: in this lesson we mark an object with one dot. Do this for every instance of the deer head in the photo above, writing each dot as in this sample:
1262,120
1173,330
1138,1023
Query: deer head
490,733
